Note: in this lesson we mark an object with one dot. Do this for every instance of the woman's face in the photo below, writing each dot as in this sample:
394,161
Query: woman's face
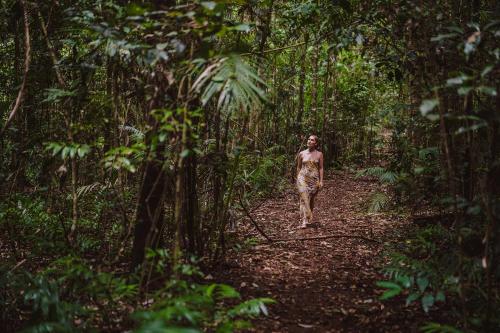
311,142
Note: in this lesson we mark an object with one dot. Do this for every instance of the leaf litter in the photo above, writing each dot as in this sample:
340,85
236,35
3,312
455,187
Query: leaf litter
321,285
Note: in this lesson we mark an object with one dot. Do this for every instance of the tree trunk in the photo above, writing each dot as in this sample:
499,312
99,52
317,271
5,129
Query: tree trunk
302,82
325,103
314,91
150,208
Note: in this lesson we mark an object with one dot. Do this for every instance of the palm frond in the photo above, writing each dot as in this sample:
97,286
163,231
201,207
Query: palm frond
87,189
234,81
384,176
388,177
374,171
378,201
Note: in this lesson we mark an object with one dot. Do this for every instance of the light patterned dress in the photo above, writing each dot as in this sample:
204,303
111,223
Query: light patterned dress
308,186
308,177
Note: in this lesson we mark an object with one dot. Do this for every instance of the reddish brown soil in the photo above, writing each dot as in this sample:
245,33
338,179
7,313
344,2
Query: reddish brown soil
325,285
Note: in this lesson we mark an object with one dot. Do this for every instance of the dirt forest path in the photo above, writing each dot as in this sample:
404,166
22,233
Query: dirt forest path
323,285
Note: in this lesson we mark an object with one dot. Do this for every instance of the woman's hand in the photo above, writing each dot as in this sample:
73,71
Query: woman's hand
320,185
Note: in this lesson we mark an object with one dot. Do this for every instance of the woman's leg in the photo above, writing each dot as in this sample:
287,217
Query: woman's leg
305,208
302,208
311,205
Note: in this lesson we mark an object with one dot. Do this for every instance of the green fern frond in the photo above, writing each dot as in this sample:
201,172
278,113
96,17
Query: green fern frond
373,171
384,176
136,134
87,189
388,177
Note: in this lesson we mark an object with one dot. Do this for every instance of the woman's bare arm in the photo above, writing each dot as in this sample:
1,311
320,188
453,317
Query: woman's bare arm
299,164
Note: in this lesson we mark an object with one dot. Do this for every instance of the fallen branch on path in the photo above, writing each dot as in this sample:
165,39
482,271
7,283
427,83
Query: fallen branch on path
270,240
247,213
327,237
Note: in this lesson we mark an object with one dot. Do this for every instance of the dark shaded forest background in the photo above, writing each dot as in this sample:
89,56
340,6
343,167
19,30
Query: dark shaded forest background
135,134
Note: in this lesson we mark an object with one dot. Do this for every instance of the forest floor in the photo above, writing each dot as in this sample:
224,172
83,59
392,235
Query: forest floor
323,284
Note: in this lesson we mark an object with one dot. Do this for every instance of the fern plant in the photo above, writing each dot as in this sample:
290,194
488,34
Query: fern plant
384,176
136,134
379,200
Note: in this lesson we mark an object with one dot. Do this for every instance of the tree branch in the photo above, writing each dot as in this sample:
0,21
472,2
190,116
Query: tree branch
327,237
52,52
317,41
247,213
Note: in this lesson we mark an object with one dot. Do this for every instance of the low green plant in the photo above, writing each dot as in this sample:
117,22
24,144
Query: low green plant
379,200
184,305
259,172
49,313
427,280
438,328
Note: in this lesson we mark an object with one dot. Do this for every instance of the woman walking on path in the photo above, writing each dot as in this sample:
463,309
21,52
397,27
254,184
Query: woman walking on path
309,178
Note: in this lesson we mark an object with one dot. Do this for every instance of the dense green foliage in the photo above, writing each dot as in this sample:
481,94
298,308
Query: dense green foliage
135,133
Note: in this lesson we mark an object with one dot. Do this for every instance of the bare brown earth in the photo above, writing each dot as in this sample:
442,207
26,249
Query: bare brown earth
322,285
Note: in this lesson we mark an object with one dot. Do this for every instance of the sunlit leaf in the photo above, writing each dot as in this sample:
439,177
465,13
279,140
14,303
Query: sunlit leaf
411,298
487,70
427,302
440,296
462,91
491,91
428,105
443,37
210,5
241,27
422,283
393,289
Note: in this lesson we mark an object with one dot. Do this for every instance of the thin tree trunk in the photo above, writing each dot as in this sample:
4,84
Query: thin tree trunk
490,239
68,123
150,209
179,188
314,92
325,103
256,122
302,81
27,61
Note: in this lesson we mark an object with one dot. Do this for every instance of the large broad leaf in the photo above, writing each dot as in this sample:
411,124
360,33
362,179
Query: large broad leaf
428,105
251,308
234,81
392,289
438,328
422,283
427,302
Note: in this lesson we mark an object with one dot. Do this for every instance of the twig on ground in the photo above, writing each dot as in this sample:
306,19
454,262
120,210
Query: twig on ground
327,237
247,213
19,264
